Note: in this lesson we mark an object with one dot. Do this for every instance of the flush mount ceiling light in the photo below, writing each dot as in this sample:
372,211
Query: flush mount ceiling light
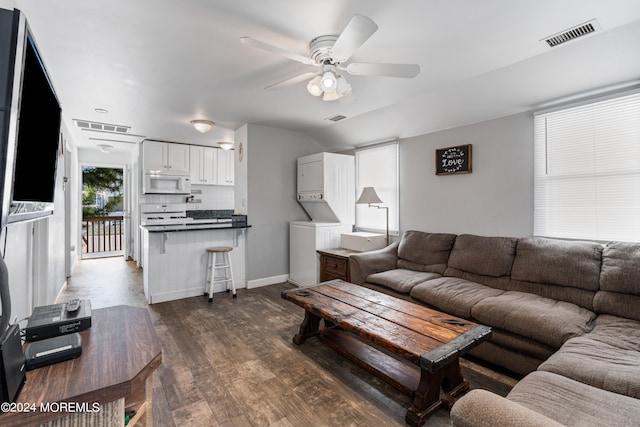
202,125
225,145
101,110
105,148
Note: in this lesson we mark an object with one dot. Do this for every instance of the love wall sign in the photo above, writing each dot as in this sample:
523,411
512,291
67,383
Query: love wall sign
453,160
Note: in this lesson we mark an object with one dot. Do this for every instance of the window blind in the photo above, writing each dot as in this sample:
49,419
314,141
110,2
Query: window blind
377,167
587,171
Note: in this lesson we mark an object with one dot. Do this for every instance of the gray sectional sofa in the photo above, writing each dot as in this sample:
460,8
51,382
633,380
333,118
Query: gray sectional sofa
564,314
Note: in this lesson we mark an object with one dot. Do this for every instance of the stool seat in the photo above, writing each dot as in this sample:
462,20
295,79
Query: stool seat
214,264
220,249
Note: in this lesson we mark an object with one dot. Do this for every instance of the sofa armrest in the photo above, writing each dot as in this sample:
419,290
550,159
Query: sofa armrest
480,408
366,263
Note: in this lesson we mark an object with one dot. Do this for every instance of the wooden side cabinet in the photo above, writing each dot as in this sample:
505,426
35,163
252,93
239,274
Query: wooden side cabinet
334,264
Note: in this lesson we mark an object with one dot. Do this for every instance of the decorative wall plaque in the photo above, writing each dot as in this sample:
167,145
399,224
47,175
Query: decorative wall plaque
453,160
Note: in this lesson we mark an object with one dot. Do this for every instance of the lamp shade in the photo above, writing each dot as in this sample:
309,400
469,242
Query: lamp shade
368,197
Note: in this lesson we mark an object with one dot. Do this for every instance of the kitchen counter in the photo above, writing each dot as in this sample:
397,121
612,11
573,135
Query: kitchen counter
174,258
191,227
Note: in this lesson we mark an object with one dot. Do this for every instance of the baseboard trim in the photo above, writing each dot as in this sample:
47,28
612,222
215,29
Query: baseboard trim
59,296
266,281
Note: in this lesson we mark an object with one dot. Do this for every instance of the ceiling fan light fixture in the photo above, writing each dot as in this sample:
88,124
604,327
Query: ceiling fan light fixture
313,87
329,81
202,126
343,88
330,96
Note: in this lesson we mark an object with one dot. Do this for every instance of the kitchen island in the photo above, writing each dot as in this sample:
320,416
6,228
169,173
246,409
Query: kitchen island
174,258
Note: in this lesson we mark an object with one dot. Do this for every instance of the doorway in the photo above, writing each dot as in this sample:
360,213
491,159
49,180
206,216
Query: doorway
103,231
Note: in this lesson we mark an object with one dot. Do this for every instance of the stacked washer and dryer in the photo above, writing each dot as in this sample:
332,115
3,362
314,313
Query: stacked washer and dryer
326,191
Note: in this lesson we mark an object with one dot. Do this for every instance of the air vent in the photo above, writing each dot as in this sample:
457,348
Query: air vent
101,127
336,118
572,33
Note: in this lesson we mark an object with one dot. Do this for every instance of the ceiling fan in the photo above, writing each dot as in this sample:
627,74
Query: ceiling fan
329,53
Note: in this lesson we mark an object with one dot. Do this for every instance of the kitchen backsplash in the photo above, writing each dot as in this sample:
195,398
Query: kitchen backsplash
210,197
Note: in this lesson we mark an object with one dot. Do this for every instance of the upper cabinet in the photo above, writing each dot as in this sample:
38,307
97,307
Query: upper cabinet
203,162
225,167
165,156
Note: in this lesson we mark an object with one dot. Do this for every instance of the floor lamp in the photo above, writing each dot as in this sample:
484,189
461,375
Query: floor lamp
369,197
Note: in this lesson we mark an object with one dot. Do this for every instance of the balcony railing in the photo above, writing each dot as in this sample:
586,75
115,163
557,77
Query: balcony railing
102,235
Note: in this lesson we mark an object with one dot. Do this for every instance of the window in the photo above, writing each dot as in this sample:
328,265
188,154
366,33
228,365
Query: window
377,167
587,171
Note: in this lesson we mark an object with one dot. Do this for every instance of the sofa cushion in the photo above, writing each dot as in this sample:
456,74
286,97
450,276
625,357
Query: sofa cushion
425,251
558,262
453,295
616,331
399,279
548,321
483,408
598,364
621,268
573,403
489,256
617,304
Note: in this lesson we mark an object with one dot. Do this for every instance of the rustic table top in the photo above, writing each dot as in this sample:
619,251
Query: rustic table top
426,337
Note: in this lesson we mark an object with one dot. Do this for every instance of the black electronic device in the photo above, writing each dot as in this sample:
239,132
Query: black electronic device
49,321
12,364
52,350
30,117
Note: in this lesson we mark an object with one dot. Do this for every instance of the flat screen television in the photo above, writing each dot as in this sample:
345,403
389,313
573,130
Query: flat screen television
32,142
29,134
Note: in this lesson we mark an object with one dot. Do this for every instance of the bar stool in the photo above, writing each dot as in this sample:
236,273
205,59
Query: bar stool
213,264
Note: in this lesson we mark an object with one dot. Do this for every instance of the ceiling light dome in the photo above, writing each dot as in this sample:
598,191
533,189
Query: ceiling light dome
202,125
225,145
105,148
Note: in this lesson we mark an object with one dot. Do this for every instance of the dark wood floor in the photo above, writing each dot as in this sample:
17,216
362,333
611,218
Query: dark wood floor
232,362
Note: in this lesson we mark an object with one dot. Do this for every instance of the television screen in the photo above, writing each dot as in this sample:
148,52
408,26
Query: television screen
38,133
33,137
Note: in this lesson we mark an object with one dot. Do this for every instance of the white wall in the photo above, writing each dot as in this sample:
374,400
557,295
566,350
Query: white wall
35,255
496,199
271,155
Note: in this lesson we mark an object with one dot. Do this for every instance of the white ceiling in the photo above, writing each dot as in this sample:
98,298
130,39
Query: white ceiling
157,64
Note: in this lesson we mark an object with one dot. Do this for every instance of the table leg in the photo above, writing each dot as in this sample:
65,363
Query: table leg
434,390
308,328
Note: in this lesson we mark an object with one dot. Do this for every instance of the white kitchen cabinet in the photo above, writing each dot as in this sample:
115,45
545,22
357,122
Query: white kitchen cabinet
165,156
203,163
225,167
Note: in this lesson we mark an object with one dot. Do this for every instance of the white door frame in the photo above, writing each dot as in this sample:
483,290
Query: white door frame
125,191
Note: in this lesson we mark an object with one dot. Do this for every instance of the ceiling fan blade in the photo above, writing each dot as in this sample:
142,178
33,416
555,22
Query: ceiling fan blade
386,70
292,80
357,31
274,49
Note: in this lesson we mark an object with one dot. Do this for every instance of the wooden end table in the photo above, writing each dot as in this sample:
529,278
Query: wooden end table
334,264
120,353
356,319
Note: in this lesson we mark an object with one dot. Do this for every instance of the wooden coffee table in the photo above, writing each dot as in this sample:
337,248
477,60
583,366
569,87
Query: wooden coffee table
376,331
